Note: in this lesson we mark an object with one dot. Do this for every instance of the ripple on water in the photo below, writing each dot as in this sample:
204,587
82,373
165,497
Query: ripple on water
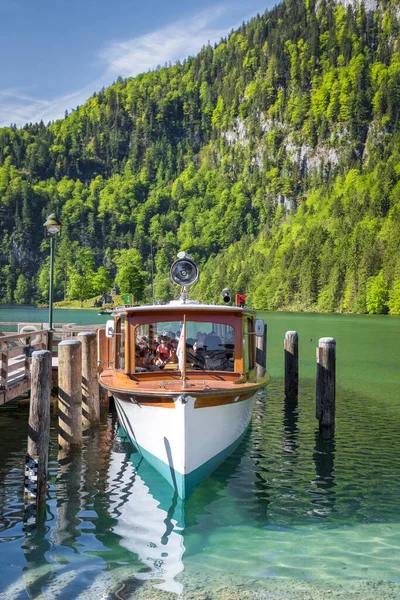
290,514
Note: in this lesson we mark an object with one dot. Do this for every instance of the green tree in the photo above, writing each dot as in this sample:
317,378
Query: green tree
377,294
22,290
130,278
81,276
394,298
102,281
43,282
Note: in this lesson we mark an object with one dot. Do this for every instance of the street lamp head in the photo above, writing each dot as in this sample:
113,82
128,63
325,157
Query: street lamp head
52,224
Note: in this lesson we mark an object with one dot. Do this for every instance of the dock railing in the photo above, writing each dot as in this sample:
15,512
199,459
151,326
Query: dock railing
16,353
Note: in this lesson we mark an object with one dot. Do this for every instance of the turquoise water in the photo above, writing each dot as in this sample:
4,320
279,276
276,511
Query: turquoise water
290,514
27,314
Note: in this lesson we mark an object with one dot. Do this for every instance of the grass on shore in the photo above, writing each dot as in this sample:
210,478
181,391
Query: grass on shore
89,303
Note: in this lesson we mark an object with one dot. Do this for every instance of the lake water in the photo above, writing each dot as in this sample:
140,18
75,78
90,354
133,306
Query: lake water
290,515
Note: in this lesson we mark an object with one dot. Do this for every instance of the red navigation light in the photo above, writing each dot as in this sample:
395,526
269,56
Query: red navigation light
240,299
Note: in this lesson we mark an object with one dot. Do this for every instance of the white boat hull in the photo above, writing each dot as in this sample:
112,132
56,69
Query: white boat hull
185,444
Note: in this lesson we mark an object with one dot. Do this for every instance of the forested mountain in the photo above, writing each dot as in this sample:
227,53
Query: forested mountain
273,158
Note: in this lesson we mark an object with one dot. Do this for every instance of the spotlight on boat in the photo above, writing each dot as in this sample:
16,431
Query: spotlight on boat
227,295
184,272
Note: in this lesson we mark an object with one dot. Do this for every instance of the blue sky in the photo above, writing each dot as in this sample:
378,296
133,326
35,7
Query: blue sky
56,53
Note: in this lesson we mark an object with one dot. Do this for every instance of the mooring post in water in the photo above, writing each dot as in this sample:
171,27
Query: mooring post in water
70,394
326,381
261,353
291,346
38,429
90,384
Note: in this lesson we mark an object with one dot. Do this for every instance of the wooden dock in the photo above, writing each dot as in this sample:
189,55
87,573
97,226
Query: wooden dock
16,352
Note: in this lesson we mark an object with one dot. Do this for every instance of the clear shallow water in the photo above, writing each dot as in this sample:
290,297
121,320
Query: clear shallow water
289,515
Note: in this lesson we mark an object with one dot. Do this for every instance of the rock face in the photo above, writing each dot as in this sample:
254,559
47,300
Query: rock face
370,5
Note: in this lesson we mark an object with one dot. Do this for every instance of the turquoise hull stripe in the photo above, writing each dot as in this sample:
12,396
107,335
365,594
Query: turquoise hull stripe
184,485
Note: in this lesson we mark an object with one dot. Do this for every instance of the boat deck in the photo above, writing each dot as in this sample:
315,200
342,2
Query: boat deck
159,383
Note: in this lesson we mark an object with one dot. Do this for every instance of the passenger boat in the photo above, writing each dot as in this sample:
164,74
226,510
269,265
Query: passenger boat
184,379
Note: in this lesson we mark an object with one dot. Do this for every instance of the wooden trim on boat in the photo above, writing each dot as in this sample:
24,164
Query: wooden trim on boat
155,385
168,402
209,401
158,404
164,309
129,348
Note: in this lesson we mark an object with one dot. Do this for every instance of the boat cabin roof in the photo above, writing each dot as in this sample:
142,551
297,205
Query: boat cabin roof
187,307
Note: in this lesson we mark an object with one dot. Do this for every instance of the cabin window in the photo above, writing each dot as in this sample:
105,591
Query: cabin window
159,345
210,346
156,346
120,342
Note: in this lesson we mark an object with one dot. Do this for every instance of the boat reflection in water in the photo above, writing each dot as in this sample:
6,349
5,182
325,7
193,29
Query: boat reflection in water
151,517
115,528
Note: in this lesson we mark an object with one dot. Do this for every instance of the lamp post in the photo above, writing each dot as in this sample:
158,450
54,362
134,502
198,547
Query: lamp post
53,226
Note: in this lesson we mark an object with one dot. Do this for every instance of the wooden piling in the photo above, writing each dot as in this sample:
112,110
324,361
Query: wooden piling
326,382
291,346
70,394
50,337
90,384
261,353
38,428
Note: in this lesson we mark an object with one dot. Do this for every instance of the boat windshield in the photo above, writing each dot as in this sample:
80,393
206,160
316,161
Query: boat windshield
163,345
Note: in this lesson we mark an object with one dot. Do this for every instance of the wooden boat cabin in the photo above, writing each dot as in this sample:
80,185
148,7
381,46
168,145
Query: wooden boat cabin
218,340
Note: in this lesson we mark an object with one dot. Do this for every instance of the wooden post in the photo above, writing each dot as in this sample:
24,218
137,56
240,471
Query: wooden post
103,363
326,381
70,394
101,350
90,384
4,366
38,428
291,346
50,340
27,361
261,353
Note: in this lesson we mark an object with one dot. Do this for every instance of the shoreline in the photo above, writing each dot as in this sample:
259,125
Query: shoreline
67,306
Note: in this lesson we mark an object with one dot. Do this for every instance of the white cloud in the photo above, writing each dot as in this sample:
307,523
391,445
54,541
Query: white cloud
122,58
19,108
16,108
171,43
